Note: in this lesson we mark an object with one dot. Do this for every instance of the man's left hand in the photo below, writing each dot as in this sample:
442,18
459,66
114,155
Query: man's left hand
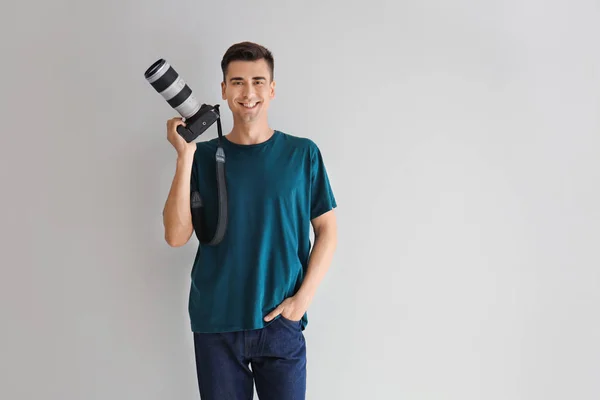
292,308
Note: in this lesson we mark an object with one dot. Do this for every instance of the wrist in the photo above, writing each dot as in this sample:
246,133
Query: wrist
304,296
185,157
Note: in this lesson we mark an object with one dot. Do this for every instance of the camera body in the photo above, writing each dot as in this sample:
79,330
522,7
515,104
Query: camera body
199,122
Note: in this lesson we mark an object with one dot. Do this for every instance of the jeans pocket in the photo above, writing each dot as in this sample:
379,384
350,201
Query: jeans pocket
295,324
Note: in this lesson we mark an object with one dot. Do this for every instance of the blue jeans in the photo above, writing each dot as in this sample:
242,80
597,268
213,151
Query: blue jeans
273,358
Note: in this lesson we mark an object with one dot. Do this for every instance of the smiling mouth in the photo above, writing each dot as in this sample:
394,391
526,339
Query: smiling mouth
250,106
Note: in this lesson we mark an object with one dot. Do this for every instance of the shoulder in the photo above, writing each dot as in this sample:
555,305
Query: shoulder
205,150
299,143
207,145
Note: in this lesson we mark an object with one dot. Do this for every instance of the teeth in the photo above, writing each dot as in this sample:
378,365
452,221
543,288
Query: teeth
249,105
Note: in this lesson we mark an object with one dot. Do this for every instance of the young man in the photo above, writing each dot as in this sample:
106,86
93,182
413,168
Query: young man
250,293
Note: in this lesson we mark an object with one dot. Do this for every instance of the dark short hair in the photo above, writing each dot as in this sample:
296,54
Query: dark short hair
247,51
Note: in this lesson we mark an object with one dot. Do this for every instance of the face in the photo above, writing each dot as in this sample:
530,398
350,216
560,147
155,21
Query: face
248,89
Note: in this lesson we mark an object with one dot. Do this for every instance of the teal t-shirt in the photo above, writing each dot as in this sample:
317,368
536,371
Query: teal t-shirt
275,189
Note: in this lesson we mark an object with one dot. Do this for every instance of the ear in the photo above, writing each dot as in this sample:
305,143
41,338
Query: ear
272,89
223,87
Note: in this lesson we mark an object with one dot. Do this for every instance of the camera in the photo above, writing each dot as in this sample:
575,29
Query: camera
173,88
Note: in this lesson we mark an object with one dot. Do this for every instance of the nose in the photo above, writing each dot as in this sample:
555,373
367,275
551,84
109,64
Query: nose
248,91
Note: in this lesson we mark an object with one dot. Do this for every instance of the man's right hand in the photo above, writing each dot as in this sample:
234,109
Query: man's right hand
182,147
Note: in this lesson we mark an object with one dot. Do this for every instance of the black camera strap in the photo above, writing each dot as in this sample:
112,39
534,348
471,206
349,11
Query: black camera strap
221,186
196,200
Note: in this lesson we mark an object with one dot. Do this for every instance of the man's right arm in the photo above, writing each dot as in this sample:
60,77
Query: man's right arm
177,216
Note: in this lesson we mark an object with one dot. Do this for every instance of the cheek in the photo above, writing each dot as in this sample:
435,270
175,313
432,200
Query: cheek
266,93
230,95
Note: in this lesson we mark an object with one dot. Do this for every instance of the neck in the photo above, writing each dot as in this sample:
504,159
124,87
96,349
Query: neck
250,133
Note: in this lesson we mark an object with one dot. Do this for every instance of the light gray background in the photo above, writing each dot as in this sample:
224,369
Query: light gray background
462,142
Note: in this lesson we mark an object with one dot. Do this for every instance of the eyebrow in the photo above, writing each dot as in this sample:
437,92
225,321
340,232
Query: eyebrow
256,78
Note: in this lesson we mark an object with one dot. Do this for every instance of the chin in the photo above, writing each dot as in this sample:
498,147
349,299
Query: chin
248,118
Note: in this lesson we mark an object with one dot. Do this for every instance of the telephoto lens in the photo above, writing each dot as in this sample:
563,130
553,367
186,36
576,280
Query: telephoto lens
171,86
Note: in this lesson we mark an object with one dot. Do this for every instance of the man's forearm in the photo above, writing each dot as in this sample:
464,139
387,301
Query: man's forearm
177,217
319,262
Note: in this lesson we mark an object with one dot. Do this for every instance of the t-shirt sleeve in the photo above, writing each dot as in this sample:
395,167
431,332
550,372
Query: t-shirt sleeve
321,193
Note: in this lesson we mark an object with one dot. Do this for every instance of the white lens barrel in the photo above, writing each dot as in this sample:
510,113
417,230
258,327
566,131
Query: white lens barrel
189,107
172,87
